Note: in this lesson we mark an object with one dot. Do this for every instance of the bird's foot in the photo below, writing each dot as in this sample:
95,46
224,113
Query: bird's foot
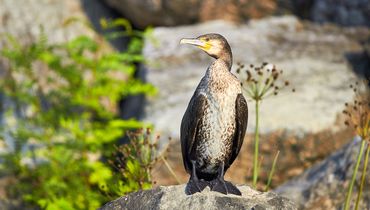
224,187
195,185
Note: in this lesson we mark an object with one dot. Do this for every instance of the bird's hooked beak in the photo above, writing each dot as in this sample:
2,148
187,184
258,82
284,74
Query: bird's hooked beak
202,44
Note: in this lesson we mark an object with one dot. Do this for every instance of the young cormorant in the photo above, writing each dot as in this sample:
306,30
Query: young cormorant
214,124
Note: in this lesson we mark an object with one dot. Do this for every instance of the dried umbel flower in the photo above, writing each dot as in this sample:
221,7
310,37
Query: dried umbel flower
141,148
358,112
261,81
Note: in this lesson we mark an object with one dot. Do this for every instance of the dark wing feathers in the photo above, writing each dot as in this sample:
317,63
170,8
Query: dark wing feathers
189,126
241,117
192,118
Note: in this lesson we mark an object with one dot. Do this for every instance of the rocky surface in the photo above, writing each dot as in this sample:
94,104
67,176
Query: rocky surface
179,12
324,186
314,58
170,13
174,197
344,12
23,19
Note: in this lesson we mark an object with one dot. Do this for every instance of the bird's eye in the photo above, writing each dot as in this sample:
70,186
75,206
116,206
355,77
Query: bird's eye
206,39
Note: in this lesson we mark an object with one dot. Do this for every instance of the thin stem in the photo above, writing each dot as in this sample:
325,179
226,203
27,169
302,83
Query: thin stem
267,86
363,176
170,169
248,91
256,137
272,170
260,161
349,193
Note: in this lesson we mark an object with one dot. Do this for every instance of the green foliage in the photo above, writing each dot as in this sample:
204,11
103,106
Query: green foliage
135,161
63,119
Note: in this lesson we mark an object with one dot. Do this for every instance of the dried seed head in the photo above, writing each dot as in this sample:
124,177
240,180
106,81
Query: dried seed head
267,81
275,76
249,75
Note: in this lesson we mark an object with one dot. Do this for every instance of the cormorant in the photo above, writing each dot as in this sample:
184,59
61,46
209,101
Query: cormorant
215,121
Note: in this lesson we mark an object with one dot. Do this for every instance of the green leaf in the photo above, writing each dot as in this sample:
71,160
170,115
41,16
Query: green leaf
82,43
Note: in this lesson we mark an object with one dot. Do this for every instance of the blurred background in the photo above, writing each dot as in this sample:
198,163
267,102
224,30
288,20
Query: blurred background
93,92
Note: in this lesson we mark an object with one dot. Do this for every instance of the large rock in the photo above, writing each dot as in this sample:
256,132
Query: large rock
174,197
176,12
314,59
324,186
344,12
23,19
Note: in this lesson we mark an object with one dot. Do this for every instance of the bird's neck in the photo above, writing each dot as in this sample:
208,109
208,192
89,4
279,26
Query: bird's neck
218,69
227,58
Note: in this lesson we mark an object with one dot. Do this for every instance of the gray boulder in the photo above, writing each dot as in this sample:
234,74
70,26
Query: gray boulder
313,57
344,12
324,186
23,19
174,197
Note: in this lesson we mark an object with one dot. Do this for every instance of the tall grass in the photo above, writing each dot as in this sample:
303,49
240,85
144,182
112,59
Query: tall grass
272,171
363,176
358,117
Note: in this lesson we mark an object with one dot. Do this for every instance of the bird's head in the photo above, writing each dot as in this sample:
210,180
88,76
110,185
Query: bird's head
214,45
